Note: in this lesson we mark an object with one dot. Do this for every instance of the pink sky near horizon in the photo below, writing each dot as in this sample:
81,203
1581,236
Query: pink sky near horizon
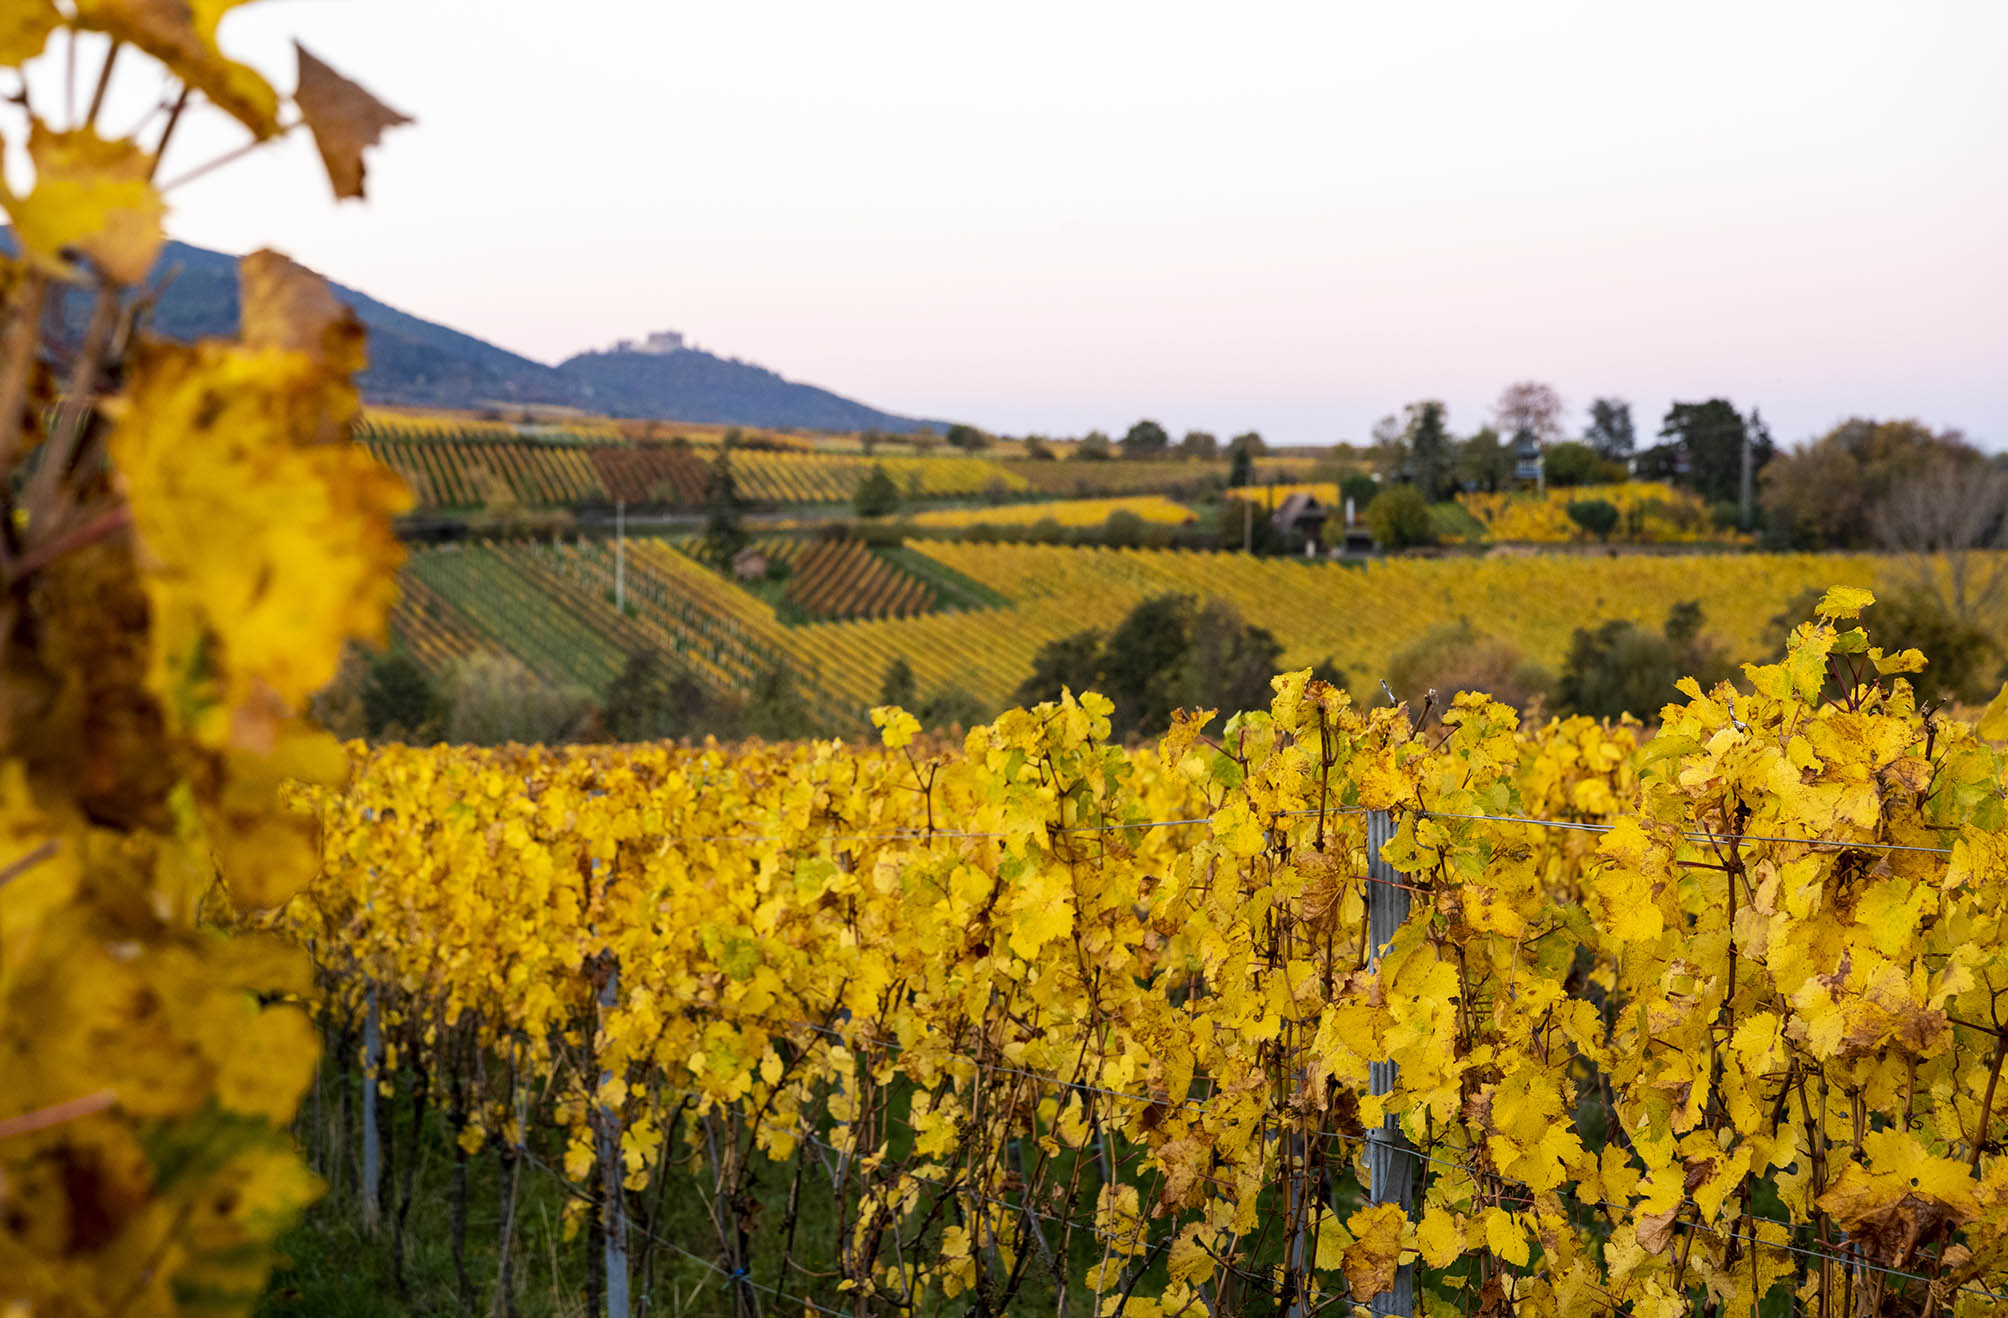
1294,218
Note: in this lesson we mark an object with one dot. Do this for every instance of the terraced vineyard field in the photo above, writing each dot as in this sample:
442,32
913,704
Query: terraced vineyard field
1358,616
1067,512
846,579
477,468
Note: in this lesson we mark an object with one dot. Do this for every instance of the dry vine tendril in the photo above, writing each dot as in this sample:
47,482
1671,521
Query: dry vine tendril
187,541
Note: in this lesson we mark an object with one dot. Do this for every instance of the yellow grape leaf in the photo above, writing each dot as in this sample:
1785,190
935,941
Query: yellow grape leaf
1042,911
345,120
899,727
1844,602
1185,729
1504,1237
1904,1189
182,35
1440,1238
1332,1241
1189,1257
91,196
1237,830
218,436
1994,722
1375,1253
25,29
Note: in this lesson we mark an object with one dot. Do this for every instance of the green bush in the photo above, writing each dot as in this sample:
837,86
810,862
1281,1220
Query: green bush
1399,518
1597,516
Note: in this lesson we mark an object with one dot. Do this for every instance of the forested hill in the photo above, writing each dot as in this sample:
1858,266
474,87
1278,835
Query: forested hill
420,362
696,386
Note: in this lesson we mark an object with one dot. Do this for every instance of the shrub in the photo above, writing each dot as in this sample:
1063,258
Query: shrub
400,702
876,495
1361,489
1622,668
1571,463
1170,652
1597,516
492,698
1452,657
1399,518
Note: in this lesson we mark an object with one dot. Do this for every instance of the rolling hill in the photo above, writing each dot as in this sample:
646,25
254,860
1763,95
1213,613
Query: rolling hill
419,362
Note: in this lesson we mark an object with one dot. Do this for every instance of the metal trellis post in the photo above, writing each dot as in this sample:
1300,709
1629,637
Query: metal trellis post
611,1179
1391,1163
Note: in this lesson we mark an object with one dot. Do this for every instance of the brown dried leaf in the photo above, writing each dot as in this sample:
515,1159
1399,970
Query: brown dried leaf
182,35
345,119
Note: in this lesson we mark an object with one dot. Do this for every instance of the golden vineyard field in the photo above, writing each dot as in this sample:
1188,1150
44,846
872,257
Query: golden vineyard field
1062,1026
1358,616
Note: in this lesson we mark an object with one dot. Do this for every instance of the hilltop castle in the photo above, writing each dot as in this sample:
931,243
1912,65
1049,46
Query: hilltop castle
661,343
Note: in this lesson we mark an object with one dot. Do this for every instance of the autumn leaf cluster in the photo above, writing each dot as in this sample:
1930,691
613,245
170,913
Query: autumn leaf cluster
188,542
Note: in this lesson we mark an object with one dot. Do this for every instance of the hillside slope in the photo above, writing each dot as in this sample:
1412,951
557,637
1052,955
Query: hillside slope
419,362
696,386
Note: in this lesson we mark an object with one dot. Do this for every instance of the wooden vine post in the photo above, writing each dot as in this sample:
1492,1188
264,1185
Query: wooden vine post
1391,1163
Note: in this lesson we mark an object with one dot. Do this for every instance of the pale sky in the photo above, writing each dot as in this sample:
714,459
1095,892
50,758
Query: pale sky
1291,217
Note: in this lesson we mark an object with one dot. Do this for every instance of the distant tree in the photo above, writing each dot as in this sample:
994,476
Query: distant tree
1389,451
899,687
1570,463
493,698
1824,495
1399,518
1094,447
869,440
951,707
775,709
399,700
651,700
1072,662
1241,468
1452,657
1950,520
1168,653
724,528
1711,434
877,495
1610,430
1146,439
1362,489
1123,529
1622,668
1199,446
967,437
1249,442
1037,448
1429,449
1530,406
1483,463
1597,516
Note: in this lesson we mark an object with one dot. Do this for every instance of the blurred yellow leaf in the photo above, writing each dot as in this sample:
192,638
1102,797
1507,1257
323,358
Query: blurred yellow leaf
182,35
1844,602
91,196
345,120
25,26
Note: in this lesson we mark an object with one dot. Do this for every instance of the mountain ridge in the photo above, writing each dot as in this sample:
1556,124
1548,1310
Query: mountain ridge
418,362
